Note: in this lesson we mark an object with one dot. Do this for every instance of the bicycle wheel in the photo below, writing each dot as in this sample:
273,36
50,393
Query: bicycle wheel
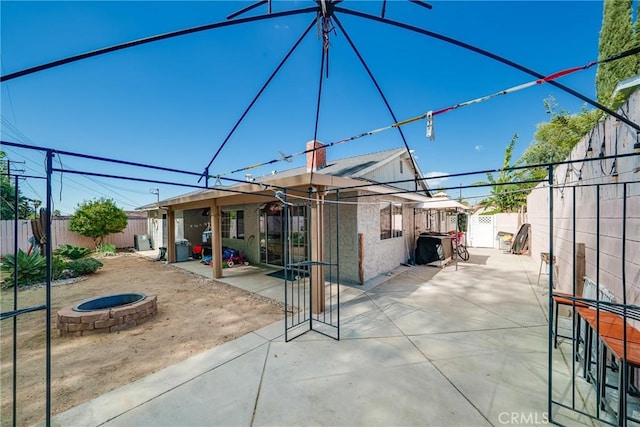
463,253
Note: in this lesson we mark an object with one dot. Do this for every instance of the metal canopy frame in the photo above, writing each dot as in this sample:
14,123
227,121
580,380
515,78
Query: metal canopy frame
326,10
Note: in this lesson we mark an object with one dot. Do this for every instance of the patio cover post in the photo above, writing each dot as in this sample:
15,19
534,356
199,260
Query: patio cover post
171,236
216,240
317,252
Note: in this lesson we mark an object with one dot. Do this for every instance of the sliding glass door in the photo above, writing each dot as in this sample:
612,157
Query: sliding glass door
272,234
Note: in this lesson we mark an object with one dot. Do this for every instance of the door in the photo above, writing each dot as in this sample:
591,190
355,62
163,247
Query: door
271,234
481,231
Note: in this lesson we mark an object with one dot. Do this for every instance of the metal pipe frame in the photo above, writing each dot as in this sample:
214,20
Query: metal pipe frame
262,89
485,171
490,55
152,39
14,405
550,300
48,253
384,98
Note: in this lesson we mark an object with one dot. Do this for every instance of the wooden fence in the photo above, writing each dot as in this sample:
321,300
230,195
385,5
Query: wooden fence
62,235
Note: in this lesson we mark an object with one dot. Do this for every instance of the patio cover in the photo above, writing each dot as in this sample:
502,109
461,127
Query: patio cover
440,203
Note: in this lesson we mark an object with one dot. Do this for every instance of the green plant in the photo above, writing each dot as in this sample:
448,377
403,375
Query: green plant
72,252
106,249
84,266
506,194
462,221
58,266
31,268
98,218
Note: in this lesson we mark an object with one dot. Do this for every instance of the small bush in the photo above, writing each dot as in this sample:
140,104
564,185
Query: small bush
58,266
84,266
107,249
31,268
72,252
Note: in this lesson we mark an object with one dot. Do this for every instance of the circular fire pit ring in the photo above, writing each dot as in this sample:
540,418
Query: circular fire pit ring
108,313
109,301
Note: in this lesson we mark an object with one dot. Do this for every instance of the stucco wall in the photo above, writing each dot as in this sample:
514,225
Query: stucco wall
607,135
507,222
156,228
380,256
343,218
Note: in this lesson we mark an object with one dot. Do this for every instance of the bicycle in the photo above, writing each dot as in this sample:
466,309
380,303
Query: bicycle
460,248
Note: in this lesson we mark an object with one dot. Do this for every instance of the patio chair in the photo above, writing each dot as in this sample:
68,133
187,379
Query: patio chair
590,291
612,341
568,300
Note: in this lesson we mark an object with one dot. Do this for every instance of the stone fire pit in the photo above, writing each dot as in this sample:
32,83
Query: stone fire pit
109,313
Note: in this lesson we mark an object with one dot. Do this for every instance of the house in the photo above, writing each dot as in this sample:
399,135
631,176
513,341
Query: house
377,223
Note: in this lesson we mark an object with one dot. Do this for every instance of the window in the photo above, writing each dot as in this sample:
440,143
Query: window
401,168
390,220
232,224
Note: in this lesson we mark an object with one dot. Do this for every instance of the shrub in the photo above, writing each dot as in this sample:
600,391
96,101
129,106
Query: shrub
72,252
106,249
97,219
31,268
58,266
84,266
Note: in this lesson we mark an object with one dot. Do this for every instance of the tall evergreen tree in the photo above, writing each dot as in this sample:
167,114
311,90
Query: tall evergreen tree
616,35
638,29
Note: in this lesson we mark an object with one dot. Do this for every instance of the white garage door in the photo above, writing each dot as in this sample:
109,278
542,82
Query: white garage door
481,231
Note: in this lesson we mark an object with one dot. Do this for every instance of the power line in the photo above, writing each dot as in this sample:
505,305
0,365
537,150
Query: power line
20,136
23,138
13,113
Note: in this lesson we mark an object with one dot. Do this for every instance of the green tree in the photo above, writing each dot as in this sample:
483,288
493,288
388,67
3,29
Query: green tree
98,218
507,194
555,139
6,198
616,35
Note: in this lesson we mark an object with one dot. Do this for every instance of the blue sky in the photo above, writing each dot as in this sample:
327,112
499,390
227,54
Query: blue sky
172,103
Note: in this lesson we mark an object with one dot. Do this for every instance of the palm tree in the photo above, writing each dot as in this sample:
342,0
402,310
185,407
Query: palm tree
507,193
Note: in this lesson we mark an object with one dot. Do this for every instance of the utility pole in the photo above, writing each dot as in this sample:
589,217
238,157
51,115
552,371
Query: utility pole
156,191
9,162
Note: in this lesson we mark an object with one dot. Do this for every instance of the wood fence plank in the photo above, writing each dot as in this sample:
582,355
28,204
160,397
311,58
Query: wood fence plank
61,235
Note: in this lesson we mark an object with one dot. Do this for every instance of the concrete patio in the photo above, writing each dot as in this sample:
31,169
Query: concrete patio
422,346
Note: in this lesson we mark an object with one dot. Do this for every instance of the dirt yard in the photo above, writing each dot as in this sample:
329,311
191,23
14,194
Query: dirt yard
194,314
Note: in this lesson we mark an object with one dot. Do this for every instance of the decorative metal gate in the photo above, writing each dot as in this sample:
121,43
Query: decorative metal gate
312,294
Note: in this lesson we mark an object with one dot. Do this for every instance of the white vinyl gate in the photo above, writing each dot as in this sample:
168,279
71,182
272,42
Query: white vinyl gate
481,232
